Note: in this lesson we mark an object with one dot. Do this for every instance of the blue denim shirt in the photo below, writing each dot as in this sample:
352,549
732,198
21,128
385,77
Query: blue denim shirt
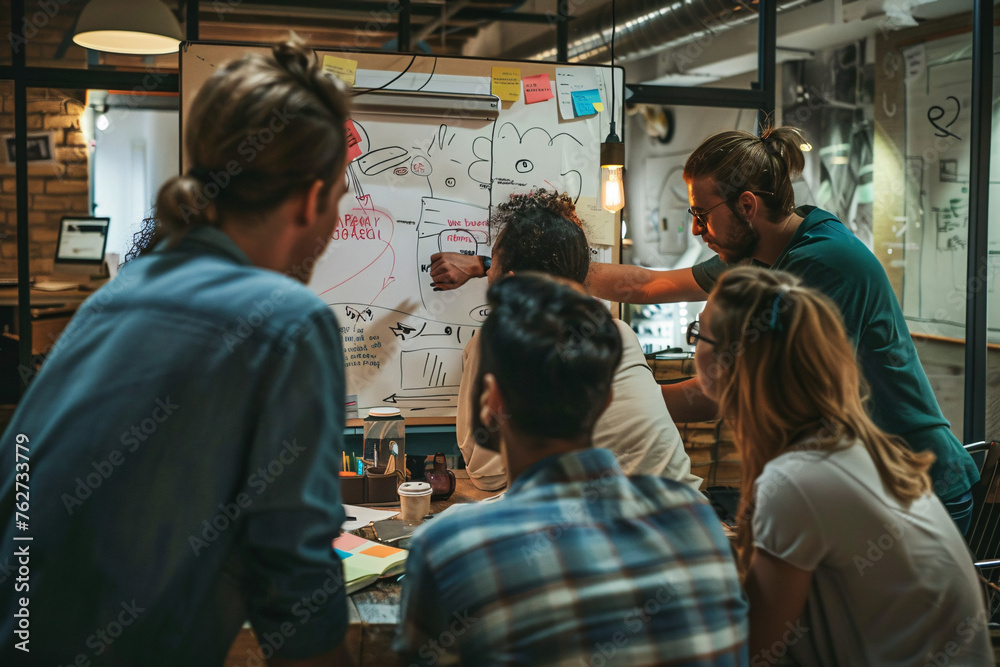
184,446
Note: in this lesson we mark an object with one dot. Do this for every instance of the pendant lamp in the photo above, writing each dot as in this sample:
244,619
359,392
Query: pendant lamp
141,27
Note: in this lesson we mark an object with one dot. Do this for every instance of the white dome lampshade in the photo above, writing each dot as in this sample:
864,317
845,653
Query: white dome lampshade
141,27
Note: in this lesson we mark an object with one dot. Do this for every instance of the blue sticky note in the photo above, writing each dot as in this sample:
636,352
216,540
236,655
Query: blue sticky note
584,101
343,554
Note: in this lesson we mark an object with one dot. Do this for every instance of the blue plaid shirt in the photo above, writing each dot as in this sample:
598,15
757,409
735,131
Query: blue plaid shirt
577,565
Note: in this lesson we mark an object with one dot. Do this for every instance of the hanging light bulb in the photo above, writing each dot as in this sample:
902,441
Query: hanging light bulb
612,172
613,190
612,150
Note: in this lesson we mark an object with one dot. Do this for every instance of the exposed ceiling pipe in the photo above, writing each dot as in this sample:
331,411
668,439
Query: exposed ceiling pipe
644,27
447,11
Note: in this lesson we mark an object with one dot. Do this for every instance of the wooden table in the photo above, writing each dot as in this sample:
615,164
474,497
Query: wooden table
373,612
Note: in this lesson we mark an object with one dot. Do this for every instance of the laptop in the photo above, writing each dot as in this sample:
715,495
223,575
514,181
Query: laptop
79,260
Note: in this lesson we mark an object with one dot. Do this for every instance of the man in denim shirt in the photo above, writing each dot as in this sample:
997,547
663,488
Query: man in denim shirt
184,437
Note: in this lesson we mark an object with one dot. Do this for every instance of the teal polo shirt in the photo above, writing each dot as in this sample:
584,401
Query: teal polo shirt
827,256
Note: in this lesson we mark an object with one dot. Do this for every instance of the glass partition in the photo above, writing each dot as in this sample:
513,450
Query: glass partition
921,181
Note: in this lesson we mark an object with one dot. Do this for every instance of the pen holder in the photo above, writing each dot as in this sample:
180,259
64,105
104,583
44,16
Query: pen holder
352,490
380,487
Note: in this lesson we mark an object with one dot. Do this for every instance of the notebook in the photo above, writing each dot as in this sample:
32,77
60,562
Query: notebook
365,561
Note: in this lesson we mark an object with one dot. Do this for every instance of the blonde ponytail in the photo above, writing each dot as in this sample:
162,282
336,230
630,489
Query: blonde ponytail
788,379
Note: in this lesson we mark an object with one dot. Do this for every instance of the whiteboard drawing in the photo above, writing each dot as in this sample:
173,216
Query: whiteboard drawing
420,184
430,367
423,185
936,225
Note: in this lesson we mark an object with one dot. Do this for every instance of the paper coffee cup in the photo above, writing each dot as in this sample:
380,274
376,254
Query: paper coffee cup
414,501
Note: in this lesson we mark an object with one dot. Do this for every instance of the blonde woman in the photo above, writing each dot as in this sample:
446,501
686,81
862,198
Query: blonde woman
849,557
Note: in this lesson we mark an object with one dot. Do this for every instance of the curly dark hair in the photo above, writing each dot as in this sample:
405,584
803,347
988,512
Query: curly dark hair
141,240
541,232
559,203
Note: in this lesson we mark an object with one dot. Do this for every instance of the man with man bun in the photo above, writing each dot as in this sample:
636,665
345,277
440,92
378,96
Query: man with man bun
742,205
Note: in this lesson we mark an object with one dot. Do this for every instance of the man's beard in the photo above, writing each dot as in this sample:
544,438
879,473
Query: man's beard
740,243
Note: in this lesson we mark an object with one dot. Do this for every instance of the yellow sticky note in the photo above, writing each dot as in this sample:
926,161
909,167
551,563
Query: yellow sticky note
598,106
507,83
342,68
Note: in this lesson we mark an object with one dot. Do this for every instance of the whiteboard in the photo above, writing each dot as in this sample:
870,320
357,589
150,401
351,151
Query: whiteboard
936,222
427,183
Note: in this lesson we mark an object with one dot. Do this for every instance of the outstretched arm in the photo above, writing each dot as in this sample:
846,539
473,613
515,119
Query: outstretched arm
635,284
687,403
451,270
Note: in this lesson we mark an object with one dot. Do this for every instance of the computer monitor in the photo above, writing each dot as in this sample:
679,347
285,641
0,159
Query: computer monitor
81,244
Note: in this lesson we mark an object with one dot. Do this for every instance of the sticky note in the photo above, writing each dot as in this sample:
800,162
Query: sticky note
342,68
537,88
570,80
506,83
353,141
380,551
343,554
347,541
585,102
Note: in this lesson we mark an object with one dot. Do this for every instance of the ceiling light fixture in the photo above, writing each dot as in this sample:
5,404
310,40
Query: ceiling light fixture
612,150
140,27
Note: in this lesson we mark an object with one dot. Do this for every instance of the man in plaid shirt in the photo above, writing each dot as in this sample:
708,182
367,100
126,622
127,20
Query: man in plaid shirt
577,564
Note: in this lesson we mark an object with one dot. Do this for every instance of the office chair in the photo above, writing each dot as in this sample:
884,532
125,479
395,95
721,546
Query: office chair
984,532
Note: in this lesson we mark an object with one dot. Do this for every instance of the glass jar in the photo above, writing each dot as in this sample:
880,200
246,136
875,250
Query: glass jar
385,439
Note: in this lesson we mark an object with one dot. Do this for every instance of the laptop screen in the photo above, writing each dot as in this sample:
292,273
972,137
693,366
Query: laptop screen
82,241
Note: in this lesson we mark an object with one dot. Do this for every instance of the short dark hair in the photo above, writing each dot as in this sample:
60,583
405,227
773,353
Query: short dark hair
553,351
536,238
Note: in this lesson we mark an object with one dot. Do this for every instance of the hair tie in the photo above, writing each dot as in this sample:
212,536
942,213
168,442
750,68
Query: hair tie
200,173
775,324
771,146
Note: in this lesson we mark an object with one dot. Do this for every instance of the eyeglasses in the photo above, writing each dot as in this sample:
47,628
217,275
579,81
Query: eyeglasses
694,334
701,216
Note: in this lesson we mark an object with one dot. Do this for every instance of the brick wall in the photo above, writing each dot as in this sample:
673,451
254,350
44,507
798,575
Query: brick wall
55,188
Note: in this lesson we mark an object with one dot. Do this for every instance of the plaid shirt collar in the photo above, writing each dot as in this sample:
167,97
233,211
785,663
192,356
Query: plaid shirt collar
583,465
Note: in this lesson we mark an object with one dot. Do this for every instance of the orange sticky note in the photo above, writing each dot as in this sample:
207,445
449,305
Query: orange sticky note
506,83
537,88
380,551
353,141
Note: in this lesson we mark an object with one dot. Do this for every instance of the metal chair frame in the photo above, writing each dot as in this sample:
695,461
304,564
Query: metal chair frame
984,531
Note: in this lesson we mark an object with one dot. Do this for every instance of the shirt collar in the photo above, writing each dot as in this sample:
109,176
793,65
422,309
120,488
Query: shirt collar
579,466
808,222
212,238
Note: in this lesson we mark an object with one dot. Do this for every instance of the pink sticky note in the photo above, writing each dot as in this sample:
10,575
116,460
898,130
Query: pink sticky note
347,541
353,141
537,88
